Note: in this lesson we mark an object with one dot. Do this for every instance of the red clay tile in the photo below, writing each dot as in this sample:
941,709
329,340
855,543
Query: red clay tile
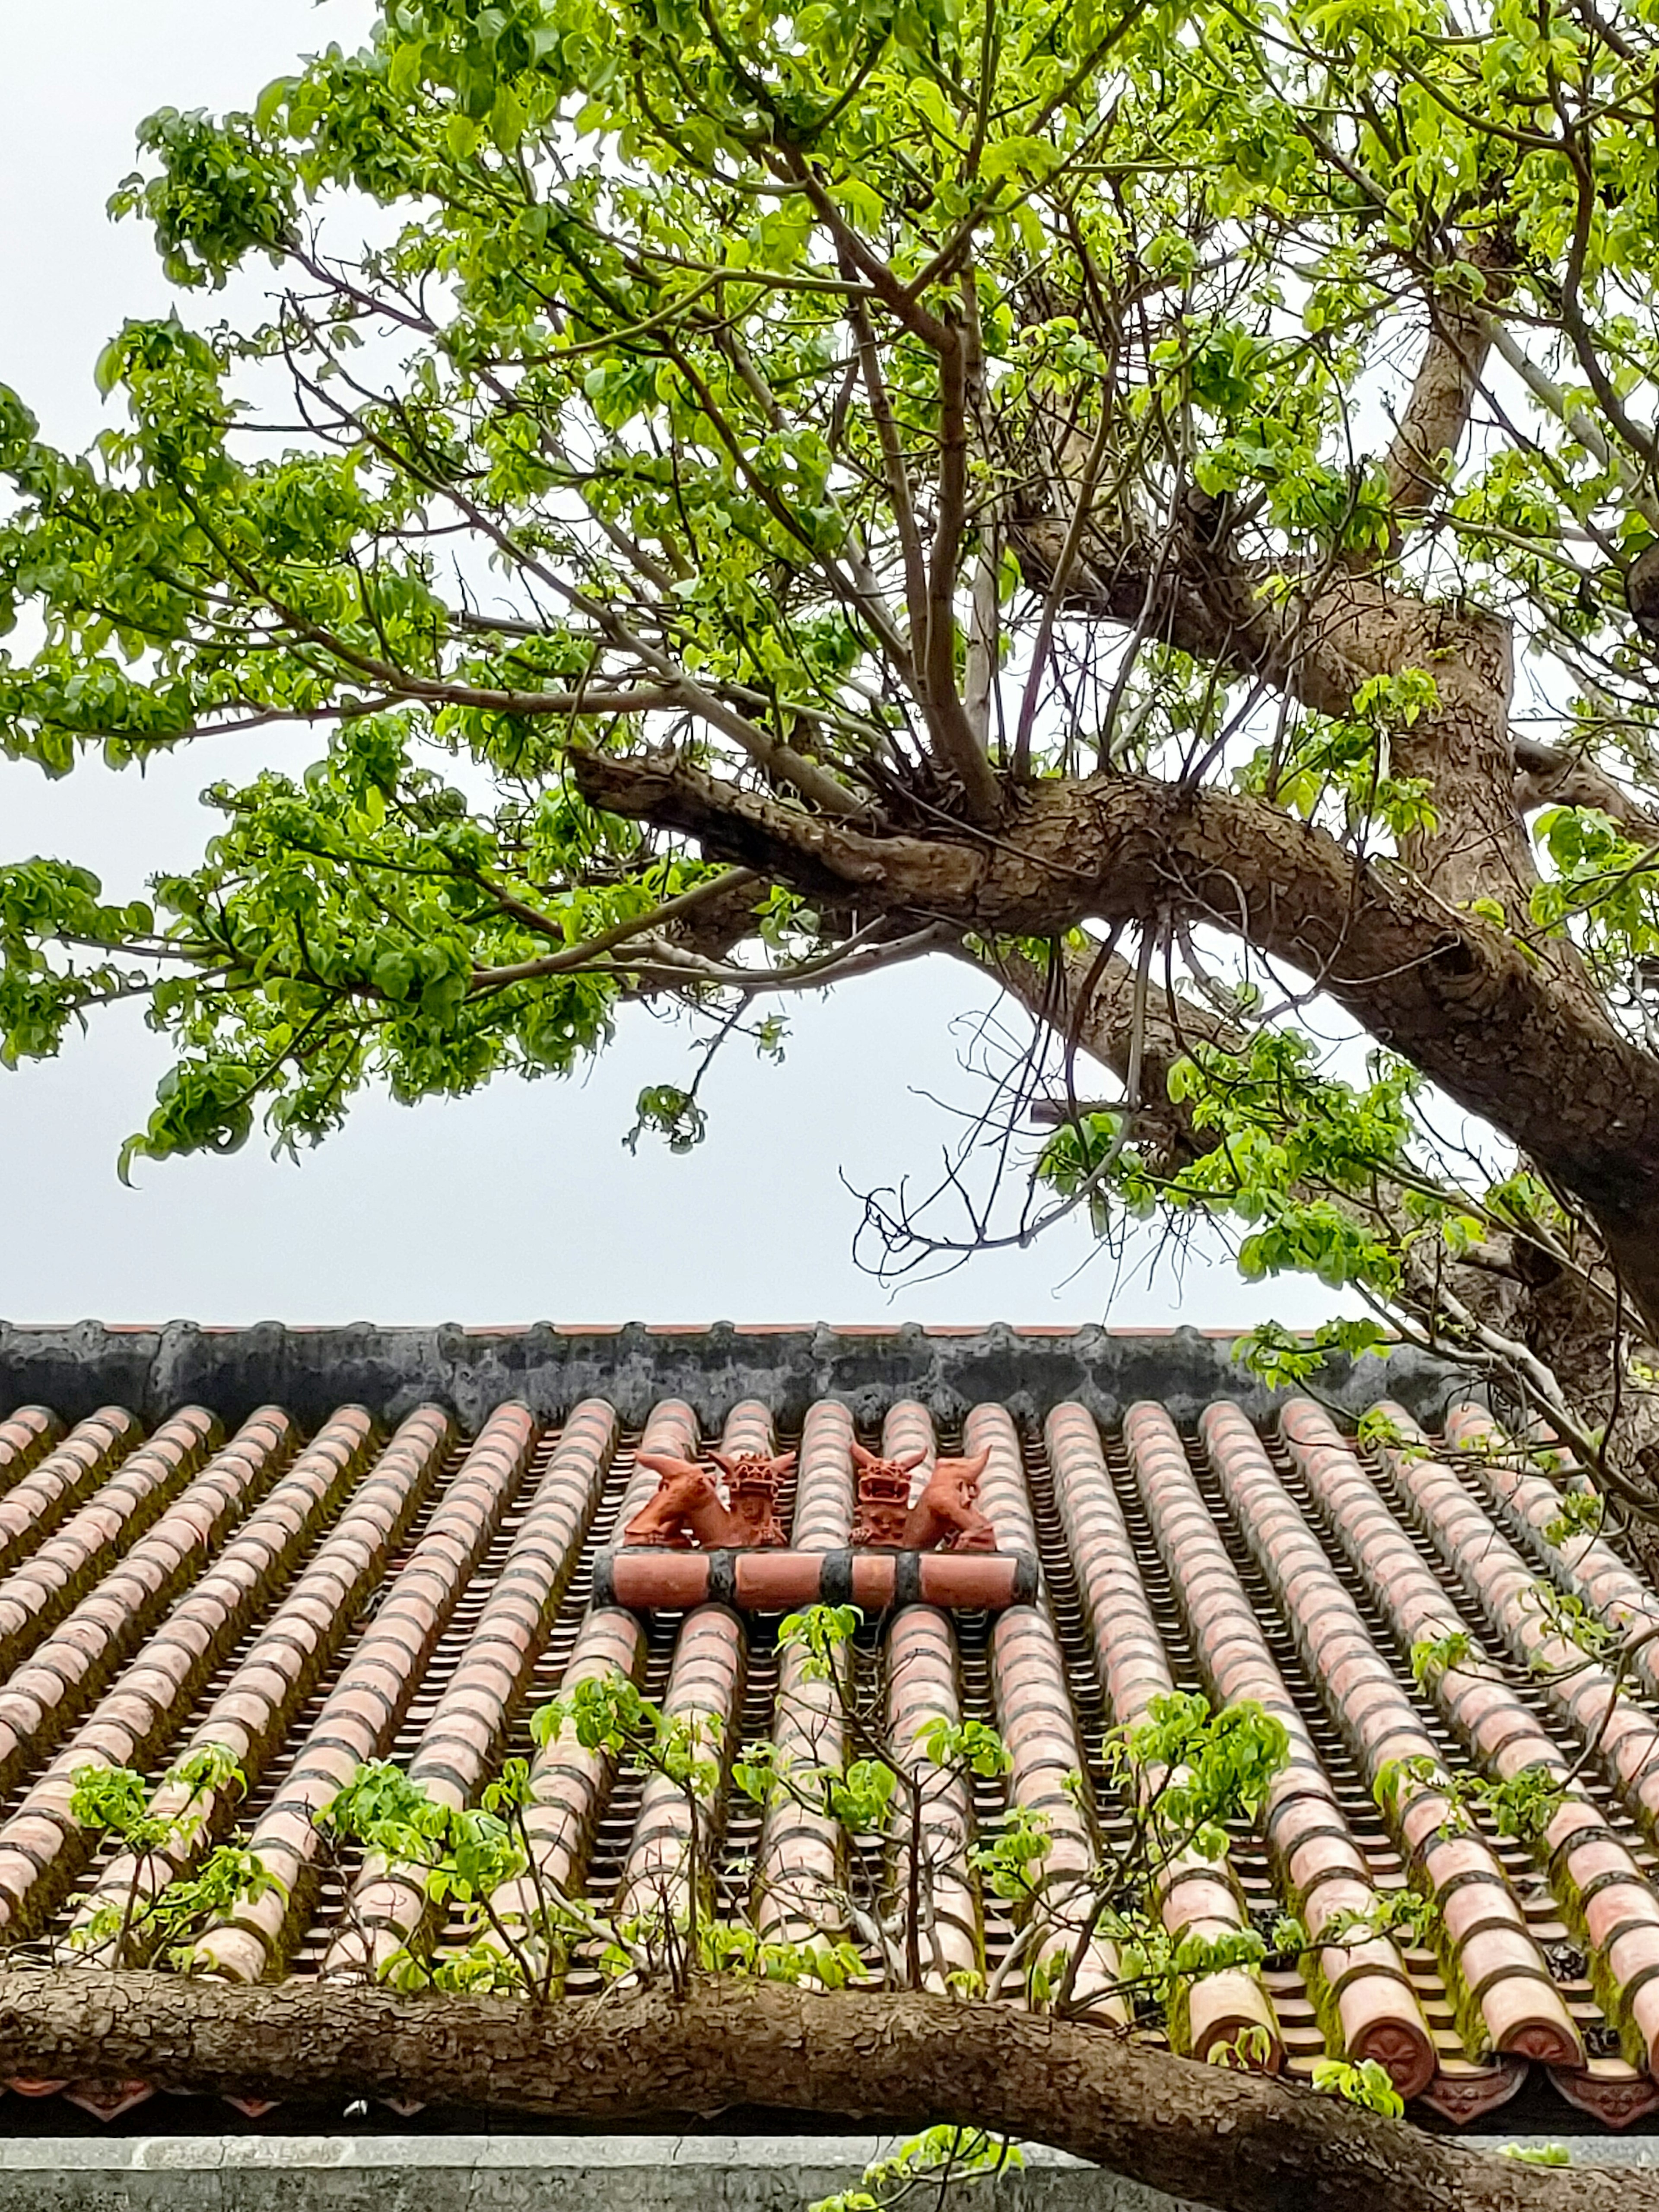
361,1621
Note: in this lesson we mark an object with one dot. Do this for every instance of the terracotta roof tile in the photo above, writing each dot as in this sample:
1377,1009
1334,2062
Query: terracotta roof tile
25,1436
1135,1669
34,1505
309,1606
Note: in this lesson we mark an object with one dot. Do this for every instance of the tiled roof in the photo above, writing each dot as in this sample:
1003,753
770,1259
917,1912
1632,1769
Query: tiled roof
314,1595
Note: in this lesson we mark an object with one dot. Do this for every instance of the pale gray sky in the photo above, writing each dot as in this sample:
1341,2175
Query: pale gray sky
516,1205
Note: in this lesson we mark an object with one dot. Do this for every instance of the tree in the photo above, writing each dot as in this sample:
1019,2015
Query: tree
1076,491
1069,491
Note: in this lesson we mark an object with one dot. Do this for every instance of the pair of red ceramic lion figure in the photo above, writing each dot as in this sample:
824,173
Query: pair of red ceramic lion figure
688,1514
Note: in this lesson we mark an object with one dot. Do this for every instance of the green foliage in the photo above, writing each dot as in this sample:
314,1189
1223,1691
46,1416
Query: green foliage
1296,1156
1212,1767
1402,1914
155,1921
824,1634
1250,2050
1183,1775
1366,2084
1431,1657
1523,1805
1376,1430
1419,1771
673,1114
1011,1864
609,1713
1602,888
734,1948
973,1746
1574,1622
1520,1806
937,2160
1347,760
1580,1513
1286,1361
627,432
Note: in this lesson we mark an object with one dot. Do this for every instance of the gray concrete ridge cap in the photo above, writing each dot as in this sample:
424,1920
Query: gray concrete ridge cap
76,1368
530,2173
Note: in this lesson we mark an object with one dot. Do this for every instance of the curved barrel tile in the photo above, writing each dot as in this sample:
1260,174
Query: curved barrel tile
71,1665
251,1713
1004,1497
1196,1893
1489,1952
800,1866
363,1712
34,1504
705,1686
1037,1723
1323,1867
569,1783
34,1596
460,1744
26,1436
1527,1502
40,1846
825,1485
932,1831
923,1686
1602,1890
748,1428
705,1689
1586,1695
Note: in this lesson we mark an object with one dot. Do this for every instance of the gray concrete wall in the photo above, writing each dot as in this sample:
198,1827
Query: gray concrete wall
502,2174
546,2174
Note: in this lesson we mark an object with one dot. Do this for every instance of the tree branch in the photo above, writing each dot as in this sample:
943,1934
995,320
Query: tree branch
1545,775
1499,1030
1241,2141
1090,1002
953,737
1432,427
579,955
1317,646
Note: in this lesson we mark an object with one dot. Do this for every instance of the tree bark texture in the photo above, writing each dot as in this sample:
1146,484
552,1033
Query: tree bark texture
1239,2141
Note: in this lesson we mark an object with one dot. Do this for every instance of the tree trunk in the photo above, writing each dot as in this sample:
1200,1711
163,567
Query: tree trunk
1237,2140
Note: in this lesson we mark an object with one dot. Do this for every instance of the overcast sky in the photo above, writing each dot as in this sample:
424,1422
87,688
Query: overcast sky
521,1203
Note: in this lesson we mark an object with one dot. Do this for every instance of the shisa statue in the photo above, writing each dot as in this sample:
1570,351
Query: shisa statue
945,1518
688,1514
883,1504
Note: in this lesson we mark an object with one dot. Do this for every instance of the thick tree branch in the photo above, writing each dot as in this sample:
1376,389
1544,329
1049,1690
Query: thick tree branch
899,489
958,750
1240,2140
1499,1032
1318,646
1432,427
